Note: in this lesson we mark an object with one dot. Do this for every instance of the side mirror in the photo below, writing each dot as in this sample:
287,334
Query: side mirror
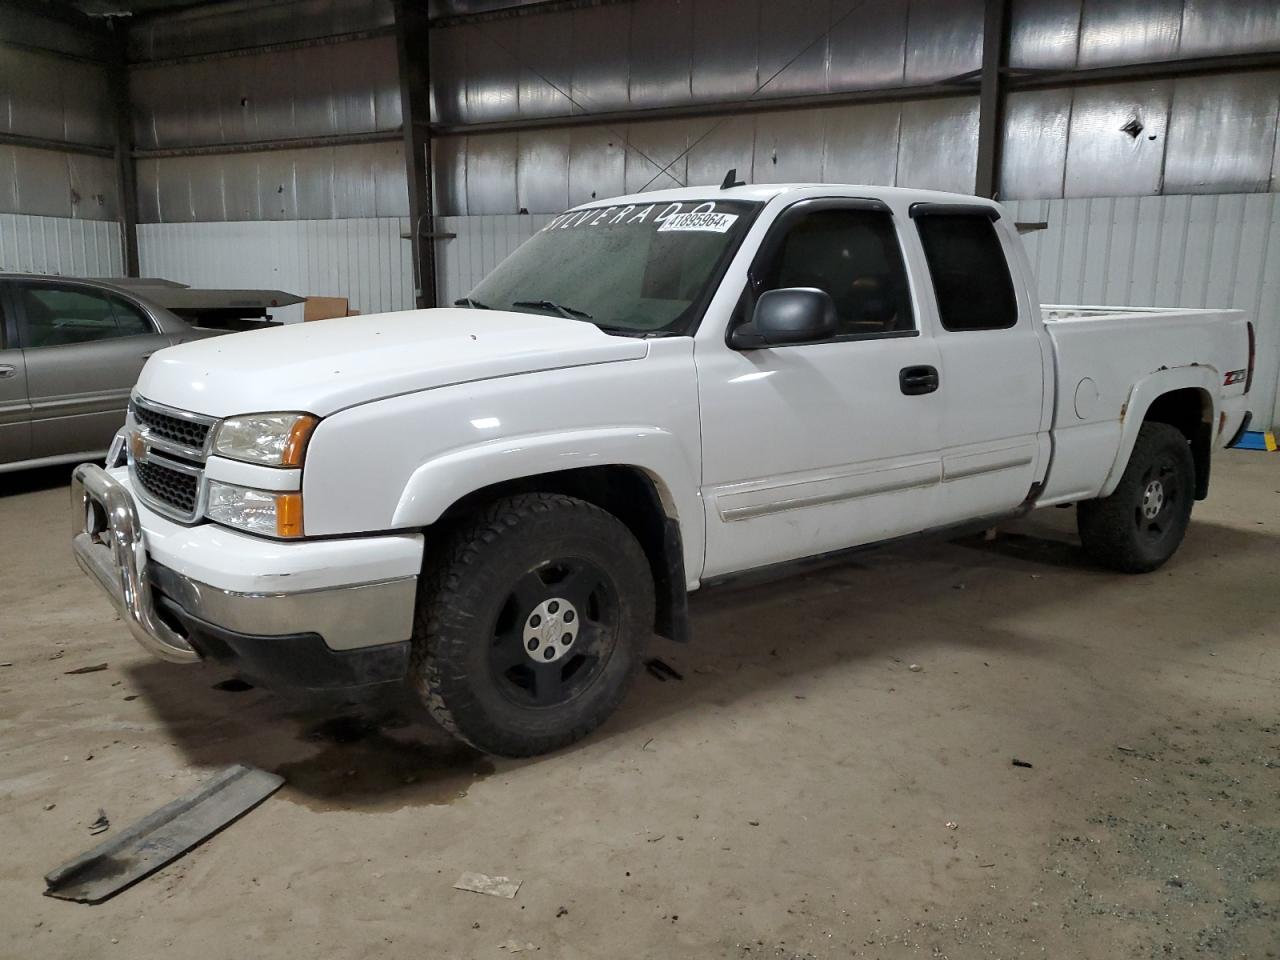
792,315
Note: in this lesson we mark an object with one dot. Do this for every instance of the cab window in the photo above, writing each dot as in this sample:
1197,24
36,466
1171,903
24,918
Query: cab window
854,256
970,273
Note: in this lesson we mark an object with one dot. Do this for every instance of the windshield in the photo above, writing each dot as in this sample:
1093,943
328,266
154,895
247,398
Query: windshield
637,269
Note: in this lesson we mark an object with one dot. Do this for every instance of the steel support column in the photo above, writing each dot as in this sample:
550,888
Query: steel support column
995,55
126,166
413,52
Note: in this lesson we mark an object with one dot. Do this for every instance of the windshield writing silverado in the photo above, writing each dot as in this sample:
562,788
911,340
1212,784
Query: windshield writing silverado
637,269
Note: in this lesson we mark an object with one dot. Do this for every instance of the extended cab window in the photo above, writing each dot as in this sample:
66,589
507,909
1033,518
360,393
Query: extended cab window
970,274
54,316
854,256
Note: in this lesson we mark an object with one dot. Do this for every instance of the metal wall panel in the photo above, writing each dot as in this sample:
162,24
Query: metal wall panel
1102,159
1212,27
597,166
939,145
721,147
1033,156
55,184
491,173
657,159
869,46
449,174
724,50
1222,137
1044,34
60,246
449,71
861,144
598,55
788,147
660,53
944,39
793,43
44,95
542,170
363,259
1173,251
24,25
492,77
233,26
346,88
1129,31
546,74
347,182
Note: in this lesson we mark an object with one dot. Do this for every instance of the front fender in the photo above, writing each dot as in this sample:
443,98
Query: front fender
444,480
1144,393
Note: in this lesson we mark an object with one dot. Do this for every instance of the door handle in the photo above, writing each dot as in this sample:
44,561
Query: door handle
7,371
915,381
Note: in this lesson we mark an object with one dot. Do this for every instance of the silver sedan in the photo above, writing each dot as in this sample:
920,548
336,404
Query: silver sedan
70,352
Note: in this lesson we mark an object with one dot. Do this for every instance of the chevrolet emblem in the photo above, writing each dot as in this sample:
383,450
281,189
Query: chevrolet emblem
137,446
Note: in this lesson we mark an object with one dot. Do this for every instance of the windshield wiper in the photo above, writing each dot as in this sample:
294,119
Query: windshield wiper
559,308
473,304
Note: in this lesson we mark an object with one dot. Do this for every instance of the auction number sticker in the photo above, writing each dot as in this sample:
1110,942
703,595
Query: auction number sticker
709,222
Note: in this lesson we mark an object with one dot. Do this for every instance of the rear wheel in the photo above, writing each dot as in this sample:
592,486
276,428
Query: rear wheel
531,624
1140,526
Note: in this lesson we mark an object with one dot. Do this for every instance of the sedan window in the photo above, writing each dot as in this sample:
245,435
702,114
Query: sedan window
55,316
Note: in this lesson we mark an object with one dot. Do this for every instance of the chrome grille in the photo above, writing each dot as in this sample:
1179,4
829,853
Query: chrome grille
167,457
178,489
187,432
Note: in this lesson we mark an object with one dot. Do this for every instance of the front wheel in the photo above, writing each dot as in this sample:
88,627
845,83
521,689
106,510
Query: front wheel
1140,526
531,624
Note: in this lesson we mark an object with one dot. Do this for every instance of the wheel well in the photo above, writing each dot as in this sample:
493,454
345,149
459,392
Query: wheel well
634,498
1191,411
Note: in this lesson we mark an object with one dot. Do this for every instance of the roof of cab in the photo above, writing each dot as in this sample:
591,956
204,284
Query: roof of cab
764,192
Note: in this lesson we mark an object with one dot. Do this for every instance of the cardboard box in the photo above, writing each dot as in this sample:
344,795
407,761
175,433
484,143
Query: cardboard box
324,308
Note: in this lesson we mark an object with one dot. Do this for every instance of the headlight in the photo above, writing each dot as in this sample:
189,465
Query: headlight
274,439
265,512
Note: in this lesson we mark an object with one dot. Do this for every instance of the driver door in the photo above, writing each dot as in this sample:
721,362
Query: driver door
813,448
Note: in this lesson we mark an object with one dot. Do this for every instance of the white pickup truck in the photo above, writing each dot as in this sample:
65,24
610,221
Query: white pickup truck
501,503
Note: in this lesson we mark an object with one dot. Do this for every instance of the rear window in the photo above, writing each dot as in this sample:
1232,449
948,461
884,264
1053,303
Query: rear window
970,274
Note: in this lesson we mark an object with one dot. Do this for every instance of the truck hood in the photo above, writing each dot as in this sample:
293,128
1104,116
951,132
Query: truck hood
327,365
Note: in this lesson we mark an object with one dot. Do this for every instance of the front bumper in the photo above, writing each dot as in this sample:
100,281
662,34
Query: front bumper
332,637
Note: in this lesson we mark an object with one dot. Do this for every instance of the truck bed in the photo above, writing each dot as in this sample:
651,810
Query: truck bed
1102,352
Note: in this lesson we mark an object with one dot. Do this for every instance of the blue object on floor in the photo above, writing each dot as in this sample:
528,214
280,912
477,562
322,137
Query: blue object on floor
1257,440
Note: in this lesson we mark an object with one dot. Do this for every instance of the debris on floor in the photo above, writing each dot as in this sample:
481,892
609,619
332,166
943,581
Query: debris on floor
160,837
101,825
503,887
916,668
515,946
93,669
661,670
1021,763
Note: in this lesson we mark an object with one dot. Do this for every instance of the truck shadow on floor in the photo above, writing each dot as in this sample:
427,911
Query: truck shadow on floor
750,642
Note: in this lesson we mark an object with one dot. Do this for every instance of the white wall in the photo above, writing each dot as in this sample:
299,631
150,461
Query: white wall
364,260
60,245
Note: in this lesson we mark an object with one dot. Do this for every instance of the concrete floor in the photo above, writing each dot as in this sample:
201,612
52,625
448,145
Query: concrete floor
801,793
